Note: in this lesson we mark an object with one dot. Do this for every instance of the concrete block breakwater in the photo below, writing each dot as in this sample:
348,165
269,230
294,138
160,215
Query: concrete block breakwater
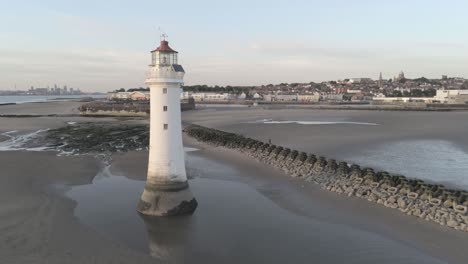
432,202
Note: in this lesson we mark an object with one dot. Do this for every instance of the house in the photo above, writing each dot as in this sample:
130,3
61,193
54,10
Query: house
208,97
452,96
136,96
332,97
308,97
280,97
257,96
118,95
242,96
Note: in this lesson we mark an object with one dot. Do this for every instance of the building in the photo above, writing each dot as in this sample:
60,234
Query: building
308,97
341,89
118,96
166,190
360,80
208,97
138,96
380,80
394,100
332,97
442,97
354,91
280,97
452,96
257,96
400,77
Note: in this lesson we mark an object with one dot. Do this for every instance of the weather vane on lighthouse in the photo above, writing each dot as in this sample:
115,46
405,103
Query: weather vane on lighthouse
166,190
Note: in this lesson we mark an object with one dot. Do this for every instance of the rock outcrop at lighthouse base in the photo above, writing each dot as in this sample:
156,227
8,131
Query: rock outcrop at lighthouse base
167,200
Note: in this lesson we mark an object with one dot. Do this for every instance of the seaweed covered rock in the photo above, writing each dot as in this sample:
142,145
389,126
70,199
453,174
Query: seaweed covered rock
320,164
343,169
99,138
331,167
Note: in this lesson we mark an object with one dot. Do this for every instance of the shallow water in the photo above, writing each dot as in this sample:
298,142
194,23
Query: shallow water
316,122
433,160
21,141
234,223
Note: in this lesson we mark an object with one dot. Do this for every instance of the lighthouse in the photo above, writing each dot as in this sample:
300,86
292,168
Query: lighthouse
166,191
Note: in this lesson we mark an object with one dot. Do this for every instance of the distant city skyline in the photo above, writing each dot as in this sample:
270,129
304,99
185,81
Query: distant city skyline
100,46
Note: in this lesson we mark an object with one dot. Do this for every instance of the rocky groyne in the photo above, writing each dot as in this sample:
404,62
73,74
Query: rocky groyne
432,202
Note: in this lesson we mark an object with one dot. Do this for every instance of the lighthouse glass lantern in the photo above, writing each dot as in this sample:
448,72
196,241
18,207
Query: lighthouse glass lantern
164,55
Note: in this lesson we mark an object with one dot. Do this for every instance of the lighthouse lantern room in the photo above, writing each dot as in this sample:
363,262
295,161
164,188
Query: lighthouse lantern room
164,55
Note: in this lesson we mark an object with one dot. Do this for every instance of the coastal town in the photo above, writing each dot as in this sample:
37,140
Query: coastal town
397,90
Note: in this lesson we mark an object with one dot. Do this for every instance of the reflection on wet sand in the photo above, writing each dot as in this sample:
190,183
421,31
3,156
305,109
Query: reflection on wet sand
235,223
167,237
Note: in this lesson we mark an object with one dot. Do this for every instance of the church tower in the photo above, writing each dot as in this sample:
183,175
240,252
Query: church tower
380,80
166,190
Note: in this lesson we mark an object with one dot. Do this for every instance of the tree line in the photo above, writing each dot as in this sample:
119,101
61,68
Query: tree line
414,93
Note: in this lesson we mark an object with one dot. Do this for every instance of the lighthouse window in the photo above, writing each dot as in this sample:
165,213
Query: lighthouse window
164,90
165,108
165,126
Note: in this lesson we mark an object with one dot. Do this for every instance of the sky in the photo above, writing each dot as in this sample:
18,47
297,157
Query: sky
104,45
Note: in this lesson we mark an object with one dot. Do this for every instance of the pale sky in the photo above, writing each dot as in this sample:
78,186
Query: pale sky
104,45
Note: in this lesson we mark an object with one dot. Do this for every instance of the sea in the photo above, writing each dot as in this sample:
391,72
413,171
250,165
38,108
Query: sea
7,99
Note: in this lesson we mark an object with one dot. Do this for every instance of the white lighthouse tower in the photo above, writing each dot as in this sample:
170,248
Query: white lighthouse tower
166,190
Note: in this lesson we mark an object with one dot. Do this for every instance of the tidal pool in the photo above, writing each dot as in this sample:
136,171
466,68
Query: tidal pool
234,223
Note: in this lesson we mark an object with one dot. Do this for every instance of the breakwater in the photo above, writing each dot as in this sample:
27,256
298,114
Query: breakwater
432,202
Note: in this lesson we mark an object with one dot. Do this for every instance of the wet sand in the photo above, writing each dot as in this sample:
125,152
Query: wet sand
37,222
331,139
248,212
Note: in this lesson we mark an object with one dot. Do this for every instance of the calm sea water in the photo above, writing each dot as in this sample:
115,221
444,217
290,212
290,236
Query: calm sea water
431,160
34,98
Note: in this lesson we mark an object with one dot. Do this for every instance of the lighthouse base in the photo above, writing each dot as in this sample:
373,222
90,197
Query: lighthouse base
167,200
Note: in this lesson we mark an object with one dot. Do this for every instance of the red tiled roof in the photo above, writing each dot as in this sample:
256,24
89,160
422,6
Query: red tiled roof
164,46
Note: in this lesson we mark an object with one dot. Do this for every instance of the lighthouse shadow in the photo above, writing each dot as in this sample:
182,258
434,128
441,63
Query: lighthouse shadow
168,237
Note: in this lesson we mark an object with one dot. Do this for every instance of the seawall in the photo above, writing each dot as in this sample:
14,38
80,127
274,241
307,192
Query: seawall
432,202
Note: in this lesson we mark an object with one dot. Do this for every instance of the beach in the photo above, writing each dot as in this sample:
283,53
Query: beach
80,208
